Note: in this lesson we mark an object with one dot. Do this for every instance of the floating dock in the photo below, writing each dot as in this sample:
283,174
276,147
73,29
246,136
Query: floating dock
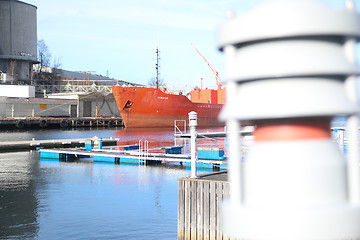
133,154
248,131
245,132
55,143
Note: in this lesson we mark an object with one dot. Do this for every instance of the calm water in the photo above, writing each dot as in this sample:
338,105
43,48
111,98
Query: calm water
52,200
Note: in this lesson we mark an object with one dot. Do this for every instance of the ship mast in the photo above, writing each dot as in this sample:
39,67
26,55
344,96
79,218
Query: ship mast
216,73
157,67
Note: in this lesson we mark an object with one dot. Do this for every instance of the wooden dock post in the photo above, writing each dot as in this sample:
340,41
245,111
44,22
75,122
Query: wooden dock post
199,206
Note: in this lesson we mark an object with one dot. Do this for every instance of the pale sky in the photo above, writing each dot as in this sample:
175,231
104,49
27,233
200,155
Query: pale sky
122,37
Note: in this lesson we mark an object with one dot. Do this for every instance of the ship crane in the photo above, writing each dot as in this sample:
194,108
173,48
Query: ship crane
216,73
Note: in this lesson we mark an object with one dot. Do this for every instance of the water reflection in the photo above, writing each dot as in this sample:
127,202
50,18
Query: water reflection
82,200
18,198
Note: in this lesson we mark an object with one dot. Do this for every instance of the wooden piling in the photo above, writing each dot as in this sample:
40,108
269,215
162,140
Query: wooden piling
199,206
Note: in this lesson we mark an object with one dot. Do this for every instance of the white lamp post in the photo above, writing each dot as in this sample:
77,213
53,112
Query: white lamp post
192,125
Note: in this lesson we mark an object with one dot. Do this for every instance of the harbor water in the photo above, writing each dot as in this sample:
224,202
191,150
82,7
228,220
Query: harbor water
48,199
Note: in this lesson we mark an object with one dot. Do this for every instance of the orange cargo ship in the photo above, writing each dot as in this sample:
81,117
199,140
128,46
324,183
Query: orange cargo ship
152,107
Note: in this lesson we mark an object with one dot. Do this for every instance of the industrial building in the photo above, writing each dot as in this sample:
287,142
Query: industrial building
18,40
20,101
95,104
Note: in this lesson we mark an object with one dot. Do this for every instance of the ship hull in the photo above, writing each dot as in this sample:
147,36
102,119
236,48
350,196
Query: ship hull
149,107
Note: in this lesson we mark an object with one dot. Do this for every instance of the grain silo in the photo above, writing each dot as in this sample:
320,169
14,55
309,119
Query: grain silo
18,40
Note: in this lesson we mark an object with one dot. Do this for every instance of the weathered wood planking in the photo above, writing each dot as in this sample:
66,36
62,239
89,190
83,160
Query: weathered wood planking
199,210
187,216
199,207
181,213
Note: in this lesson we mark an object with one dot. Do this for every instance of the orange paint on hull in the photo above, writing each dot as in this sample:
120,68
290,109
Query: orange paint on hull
150,107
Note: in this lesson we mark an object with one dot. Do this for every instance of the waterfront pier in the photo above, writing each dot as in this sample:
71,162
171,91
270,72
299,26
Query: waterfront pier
54,143
60,122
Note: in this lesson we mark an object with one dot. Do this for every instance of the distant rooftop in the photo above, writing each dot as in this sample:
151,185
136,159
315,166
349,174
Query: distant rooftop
83,75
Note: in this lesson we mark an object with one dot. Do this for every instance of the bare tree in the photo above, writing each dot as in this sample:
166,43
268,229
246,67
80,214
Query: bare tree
43,55
152,82
45,76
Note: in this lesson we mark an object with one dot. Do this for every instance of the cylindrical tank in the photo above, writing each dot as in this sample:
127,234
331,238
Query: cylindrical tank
18,38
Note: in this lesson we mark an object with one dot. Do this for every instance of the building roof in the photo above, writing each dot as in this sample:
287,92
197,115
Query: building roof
83,75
